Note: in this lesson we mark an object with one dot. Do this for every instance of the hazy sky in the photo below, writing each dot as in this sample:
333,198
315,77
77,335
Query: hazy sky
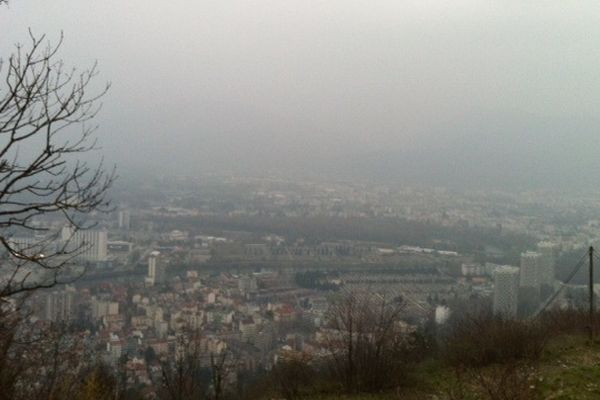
437,90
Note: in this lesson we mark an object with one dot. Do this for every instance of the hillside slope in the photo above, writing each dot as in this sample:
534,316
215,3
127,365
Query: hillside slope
569,370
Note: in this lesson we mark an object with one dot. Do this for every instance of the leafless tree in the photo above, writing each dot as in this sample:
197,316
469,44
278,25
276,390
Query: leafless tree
366,341
181,373
46,111
222,366
195,372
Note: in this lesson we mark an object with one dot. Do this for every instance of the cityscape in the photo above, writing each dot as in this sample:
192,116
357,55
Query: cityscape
252,273
299,200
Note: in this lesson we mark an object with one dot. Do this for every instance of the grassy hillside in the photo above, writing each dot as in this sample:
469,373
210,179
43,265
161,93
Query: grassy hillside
568,370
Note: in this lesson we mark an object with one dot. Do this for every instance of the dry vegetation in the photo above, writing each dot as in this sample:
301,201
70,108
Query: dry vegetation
369,355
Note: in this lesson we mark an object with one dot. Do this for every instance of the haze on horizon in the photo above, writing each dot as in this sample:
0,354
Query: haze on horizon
459,93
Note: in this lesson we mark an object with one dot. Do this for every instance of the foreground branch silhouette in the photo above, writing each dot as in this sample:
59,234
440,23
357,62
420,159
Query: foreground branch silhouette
45,115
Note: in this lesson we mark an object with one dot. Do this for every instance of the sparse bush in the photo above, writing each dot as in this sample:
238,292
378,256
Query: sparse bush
569,321
294,377
98,384
510,381
479,340
493,357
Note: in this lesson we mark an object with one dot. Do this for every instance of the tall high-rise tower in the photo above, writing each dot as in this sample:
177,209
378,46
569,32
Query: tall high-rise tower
530,270
548,252
156,269
124,219
506,291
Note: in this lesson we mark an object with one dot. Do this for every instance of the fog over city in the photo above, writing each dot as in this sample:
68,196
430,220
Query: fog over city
298,200
469,93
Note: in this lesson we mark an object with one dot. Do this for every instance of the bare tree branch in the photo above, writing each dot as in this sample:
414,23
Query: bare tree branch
365,340
45,115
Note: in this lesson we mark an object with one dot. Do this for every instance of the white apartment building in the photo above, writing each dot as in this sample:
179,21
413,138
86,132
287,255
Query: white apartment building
91,245
156,269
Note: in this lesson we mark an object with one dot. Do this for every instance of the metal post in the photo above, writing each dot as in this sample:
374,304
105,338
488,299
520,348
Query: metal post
591,252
